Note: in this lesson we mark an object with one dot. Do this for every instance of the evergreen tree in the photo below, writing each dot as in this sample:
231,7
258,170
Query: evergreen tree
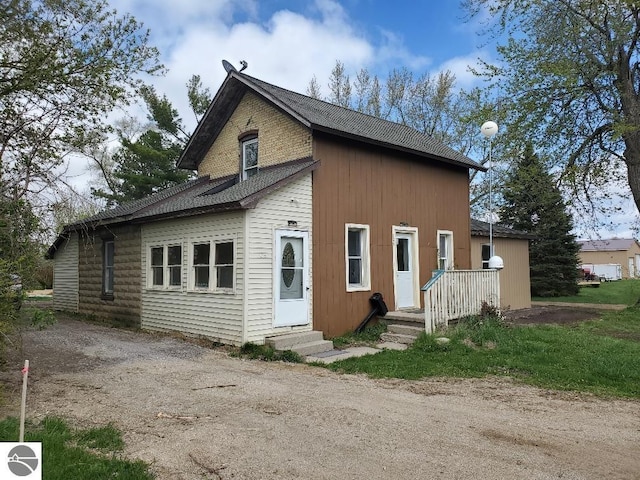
147,164
533,203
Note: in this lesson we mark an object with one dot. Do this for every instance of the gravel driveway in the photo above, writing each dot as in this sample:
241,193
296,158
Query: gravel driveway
196,413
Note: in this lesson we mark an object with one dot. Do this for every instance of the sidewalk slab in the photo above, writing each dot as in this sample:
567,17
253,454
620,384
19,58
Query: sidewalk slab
345,353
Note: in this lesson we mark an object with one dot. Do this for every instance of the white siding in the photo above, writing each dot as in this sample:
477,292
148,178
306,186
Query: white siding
65,275
210,314
290,203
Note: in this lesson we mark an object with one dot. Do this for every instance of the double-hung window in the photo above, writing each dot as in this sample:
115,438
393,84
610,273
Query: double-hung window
486,255
249,158
357,261
201,258
445,250
108,263
213,265
165,266
224,265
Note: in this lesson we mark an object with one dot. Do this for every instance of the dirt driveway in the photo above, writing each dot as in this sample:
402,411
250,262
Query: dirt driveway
196,413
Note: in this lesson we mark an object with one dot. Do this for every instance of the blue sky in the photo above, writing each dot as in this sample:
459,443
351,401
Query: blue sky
287,42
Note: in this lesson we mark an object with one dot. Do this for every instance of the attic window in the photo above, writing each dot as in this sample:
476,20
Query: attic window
249,158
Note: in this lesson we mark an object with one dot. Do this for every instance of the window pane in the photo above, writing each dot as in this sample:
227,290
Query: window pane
108,287
224,253
402,254
201,254
108,253
107,266
174,255
156,256
443,246
291,283
225,277
202,277
158,277
355,271
486,252
355,249
250,153
175,276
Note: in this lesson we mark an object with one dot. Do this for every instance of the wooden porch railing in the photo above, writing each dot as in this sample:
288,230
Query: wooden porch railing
452,294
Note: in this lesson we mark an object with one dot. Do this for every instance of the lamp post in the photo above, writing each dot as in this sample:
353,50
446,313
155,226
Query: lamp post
489,129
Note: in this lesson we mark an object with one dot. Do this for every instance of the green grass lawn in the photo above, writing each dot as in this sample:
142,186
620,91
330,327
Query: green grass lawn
92,454
623,292
602,357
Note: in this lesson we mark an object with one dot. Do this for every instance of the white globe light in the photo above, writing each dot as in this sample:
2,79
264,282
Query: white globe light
489,129
496,263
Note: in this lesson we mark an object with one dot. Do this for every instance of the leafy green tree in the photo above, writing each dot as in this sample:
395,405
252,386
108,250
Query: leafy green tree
569,71
533,203
147,164
63,67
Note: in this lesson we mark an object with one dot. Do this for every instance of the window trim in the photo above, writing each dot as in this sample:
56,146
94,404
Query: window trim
365,255
215,266
449,258
485,263
213,271
108,293
166,274
247,140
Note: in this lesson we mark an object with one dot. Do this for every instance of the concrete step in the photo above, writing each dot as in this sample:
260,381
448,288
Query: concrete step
405,329
398,338
402,317
285,342
312,348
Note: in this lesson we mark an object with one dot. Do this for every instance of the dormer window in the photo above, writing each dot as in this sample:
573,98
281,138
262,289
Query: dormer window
249,158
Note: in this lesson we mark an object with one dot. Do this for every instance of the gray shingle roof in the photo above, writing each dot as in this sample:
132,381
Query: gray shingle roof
479,228
196,196
316,115
610,245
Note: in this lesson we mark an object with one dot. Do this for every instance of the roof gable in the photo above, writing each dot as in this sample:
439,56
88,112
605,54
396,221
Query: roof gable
317,115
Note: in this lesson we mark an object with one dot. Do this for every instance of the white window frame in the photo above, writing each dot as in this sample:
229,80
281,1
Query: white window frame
485,263
213,270
166,272
449,250
365,256
217,265
245,170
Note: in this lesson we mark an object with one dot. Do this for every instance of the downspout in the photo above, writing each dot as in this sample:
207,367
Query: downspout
245,277
378,307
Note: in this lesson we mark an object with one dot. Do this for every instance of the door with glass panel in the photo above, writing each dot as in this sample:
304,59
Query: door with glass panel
291,278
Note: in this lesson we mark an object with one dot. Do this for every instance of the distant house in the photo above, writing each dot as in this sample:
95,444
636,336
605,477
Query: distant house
302,210
513,247
622,251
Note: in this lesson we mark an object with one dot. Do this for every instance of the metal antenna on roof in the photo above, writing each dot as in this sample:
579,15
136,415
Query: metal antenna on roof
244,65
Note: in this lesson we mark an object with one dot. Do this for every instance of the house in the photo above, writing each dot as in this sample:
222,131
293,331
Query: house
513,247
622,251
300,212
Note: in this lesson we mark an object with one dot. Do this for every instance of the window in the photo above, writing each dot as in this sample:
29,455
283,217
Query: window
157,266
445,250
213,266
224,265
165,266
357,257
108,248
486,255
249,158
174,265
201,257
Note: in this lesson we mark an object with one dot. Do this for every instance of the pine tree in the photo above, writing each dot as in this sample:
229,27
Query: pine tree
533,203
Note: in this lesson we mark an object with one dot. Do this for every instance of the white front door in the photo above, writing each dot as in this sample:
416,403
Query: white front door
404,271
291,278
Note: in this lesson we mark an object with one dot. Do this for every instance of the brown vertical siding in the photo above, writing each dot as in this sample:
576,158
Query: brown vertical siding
125,304
515,286
379,188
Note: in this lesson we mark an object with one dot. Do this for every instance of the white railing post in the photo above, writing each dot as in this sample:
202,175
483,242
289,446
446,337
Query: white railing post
455,294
